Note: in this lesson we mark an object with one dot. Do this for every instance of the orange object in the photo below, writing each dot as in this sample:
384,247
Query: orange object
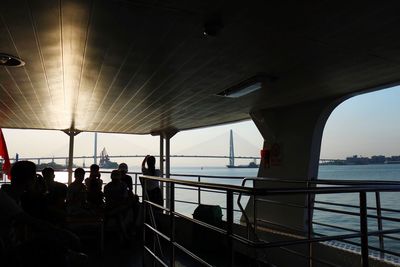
265,157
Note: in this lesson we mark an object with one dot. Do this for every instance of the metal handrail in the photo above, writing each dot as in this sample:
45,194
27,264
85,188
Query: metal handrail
279,191
249,225
361,190
354,206
328,187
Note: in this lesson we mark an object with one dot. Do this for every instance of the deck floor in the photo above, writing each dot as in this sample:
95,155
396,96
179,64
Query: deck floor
115,253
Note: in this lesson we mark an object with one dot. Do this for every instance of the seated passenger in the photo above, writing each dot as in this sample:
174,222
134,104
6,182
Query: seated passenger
55,197
56,192
153,187
115,191
94,186
76,193
127,179
27,241
118,205
33,200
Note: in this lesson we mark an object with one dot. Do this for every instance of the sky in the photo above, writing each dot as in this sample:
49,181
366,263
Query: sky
365,125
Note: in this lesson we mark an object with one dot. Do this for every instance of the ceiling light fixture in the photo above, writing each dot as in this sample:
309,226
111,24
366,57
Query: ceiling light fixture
244,88
10,61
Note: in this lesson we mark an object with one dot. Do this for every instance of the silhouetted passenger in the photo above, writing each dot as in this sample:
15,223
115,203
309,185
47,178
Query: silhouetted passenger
55,197
56,192
25,171
94,185
115,191
76,193
25,240
127,179
118,206
33,200
152,187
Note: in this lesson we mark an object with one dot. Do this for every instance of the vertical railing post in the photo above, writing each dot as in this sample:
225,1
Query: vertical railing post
254,217
309,226
136,184
144,198
172,224
364,229
198,191
254,237
162,164
229,226
379,219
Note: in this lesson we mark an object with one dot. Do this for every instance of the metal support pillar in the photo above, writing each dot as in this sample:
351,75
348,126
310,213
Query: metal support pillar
71,157
166,134
162,155
71,132
168,169
95,149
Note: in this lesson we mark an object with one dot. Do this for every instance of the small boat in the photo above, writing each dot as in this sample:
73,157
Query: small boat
250,165
53,165
231,164
105,162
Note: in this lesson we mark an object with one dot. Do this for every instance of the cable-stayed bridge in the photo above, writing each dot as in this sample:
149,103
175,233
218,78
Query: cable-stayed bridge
244,145
39,159
247,151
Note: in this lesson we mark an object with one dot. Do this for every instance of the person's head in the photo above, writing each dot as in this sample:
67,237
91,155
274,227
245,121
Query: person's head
123,168
115,175
151,162
23,174
79,175
48,174
94,170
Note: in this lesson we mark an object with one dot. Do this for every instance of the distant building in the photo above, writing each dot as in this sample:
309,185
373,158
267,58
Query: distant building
377,159
356,160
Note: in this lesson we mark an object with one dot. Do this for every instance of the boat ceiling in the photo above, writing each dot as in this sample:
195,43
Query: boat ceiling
146,66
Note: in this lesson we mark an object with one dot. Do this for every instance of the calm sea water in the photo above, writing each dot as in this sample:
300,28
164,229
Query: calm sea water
389,200
383,172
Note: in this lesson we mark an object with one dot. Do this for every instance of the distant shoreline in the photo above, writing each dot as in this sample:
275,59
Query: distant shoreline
355,164
358,160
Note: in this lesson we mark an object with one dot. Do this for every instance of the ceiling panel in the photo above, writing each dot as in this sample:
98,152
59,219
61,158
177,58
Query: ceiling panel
139,66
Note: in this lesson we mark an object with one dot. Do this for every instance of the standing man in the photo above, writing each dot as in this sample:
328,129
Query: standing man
127,179
94,187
